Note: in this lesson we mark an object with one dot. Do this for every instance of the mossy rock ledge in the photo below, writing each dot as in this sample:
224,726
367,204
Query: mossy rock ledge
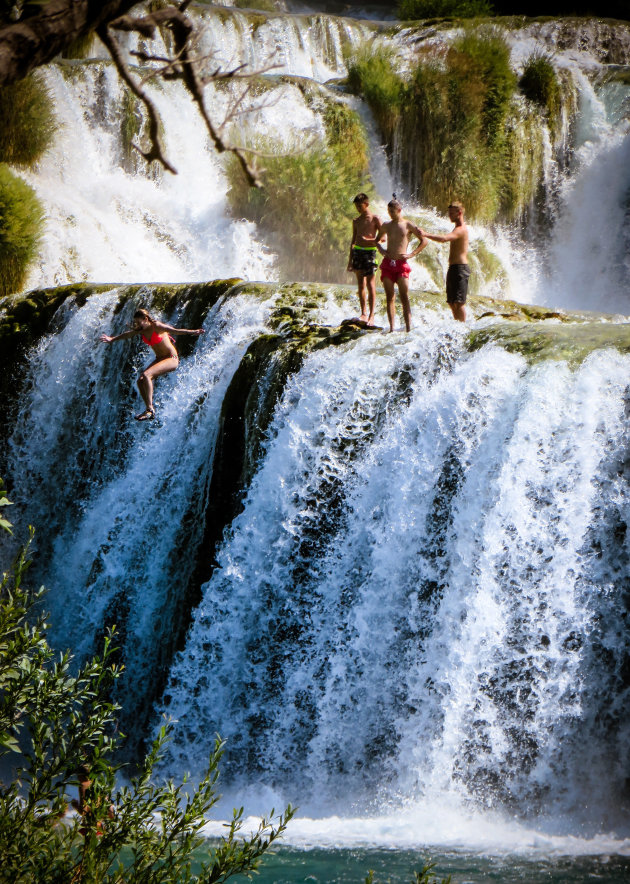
540,333
535,332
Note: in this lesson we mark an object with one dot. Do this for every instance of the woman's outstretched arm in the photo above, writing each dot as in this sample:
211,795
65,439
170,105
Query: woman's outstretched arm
162,326
108,339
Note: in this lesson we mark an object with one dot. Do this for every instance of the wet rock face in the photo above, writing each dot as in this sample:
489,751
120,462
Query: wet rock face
607,41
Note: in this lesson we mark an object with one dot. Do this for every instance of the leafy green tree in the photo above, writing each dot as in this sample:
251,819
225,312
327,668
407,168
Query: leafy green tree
57,731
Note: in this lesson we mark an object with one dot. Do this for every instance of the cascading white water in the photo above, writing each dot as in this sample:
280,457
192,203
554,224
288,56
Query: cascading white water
419,601
125,495
410,586
590,245
107,224
111,224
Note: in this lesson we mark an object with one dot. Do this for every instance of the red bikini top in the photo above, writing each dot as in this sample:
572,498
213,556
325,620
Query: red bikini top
155,339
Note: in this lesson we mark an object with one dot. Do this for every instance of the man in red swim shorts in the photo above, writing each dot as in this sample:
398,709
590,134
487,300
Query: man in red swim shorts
394,268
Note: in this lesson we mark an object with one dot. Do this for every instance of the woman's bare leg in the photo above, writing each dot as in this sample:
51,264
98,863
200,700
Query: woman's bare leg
145,381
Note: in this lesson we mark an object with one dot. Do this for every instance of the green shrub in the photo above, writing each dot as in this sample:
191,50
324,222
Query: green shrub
417,9
260,5
524,163
424,876
484,64
451,140
58,731
21,229
305,207
454,127
28,121
539,82
371,73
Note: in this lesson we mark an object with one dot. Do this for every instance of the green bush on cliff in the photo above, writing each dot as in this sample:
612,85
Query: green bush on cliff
524,163
305,206
457,109
371,73
21,229
58,731
539,82
28,121
417,9
452,138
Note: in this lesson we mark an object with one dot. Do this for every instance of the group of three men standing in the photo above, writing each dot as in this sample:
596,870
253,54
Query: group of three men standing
367,233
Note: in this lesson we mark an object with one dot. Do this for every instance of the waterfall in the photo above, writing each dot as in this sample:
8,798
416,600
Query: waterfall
111,219
419,592
391,570
355,623
590,247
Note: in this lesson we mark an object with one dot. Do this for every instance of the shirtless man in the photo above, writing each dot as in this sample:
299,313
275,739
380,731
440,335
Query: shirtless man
362,260
458,269
394,269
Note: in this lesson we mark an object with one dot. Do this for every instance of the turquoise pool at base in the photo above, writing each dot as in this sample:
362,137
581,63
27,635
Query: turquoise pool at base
292,866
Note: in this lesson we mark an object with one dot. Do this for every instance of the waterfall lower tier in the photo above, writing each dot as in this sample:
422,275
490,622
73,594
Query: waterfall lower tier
387,568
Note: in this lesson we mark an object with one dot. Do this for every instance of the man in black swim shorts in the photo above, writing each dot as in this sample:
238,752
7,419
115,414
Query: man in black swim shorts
458,269
457,283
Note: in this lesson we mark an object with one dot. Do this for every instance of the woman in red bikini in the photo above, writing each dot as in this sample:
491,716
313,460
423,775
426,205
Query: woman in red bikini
157,335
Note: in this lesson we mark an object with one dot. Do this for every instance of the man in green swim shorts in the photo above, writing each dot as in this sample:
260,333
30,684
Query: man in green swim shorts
362,260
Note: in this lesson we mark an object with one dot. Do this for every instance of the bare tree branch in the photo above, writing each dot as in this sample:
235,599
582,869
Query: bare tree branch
155,152
194,86
38,39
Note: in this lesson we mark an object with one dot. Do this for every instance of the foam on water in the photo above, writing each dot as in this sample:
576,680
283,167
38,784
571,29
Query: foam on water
433,829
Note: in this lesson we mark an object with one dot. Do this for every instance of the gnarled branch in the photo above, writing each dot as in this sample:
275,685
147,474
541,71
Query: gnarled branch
31,42
38,39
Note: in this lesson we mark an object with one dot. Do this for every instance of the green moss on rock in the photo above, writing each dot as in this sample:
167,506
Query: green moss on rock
567,341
